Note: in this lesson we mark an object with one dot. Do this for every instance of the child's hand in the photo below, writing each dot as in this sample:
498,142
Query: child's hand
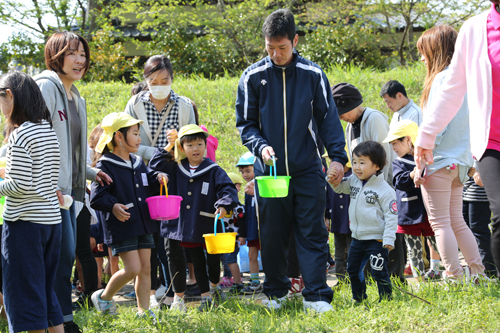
100,247
389,247
327,224
221,211
250,188
160,178
477,179
120,213
335,173
60,197
471,172
172,136
242,240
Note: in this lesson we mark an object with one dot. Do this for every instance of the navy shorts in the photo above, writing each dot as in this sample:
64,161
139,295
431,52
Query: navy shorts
30,255
231,258
135,243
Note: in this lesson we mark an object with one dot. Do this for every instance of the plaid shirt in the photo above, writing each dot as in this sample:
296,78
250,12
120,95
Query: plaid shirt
154,117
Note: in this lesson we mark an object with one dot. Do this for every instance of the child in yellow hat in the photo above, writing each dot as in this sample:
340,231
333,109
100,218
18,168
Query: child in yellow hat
122,205
207,191
412,216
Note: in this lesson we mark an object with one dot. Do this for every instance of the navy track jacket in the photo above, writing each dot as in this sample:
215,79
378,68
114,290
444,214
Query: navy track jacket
289,108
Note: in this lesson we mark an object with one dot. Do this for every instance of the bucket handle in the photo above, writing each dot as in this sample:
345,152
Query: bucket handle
166,188
215,224
271,167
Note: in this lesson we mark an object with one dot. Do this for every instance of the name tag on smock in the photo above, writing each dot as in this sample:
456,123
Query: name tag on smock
144,179
204,188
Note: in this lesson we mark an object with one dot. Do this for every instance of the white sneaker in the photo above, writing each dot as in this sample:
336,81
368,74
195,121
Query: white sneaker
319,306
153,303
160,292
101,305
178,304
275,304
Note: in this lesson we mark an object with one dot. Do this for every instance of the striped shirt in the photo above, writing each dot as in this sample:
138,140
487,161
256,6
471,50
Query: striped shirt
474,192
31,175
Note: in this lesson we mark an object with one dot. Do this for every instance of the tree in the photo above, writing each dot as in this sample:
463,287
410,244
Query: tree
397,18
202,37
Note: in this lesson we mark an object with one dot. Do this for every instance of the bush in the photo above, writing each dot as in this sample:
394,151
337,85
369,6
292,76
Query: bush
107,56
351,44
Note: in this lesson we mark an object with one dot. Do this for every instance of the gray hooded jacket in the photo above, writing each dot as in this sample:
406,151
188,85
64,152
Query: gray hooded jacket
55,97
373,212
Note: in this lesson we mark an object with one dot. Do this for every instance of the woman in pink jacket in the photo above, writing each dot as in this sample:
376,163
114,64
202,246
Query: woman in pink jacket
475,70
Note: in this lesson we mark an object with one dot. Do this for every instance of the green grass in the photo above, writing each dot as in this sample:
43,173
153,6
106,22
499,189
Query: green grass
469,309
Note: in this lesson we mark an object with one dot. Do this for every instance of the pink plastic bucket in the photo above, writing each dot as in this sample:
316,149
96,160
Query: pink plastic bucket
164,208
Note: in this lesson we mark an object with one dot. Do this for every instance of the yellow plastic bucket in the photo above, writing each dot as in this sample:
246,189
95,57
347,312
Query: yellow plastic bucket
219,243
273,186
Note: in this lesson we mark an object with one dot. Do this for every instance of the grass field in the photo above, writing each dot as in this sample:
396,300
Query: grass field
466,309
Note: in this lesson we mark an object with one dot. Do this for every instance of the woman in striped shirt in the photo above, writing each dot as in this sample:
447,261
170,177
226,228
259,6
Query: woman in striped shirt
31,234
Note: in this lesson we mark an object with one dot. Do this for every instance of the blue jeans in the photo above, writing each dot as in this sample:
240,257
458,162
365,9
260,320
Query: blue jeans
378,258
477,215
62,284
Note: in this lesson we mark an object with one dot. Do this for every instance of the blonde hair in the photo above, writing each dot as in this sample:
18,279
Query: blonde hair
437,45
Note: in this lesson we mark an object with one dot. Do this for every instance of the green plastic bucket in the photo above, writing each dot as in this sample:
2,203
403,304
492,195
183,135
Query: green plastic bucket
273,186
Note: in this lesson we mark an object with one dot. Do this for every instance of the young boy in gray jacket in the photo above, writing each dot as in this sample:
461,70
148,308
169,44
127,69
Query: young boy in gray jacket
373,216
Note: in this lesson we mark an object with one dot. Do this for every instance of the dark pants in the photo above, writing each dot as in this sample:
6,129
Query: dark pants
293,270
342,245
176,264
62,285
30,256
397,258
162,255
302,212
489,169
378,258
477,215
84,252
154,262
200,263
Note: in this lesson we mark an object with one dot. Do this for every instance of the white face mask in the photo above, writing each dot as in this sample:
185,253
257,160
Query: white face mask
160,92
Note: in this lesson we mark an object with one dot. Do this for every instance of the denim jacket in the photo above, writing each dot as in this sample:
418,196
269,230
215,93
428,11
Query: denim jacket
452,145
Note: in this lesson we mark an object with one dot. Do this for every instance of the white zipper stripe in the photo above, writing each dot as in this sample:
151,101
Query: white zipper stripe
245,85
286,129
316,70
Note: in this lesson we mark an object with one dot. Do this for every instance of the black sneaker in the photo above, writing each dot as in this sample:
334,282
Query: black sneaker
82,303
71,327
195,291
206,304
236,289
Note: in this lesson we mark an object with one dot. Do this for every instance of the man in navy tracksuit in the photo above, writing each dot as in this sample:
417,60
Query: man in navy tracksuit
284,105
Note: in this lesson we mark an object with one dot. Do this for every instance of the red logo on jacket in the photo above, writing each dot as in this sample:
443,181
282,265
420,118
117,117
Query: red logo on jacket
62,115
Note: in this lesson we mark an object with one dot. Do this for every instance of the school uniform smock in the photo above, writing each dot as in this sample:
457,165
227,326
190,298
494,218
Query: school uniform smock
250,227
337,210
206,190
130,187
411,209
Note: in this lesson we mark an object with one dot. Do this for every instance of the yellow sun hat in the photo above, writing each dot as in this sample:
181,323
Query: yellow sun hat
186,130
402,129
348,164
111,124
235,178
